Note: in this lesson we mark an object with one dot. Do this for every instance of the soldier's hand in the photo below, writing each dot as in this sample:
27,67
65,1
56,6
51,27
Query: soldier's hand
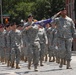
27,28
59,13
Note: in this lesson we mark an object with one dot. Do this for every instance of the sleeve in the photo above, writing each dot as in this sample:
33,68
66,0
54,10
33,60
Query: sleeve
46,39
55,22
73,30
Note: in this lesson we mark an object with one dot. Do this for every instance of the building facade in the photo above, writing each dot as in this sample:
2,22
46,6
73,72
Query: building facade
70,6
71,10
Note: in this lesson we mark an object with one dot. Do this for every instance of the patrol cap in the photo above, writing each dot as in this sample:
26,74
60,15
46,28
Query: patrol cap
30,15
62,9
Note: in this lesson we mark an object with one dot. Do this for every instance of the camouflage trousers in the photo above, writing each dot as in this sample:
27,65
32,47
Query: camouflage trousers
42,51
33,53
65,46
2,52
15,54
8,54
24,51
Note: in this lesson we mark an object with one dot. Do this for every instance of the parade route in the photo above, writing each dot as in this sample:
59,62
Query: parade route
49,68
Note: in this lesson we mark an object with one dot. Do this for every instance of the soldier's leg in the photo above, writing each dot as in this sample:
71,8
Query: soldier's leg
46,52
62,50
46,57
49,52
25,53
12,57
35,57
64,61
42,54
29,56
53,58
17,58
68,52
61,63
7,59
50,57
57,58
2,55
22,54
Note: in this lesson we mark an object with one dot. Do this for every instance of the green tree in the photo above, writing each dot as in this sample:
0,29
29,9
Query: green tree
19,9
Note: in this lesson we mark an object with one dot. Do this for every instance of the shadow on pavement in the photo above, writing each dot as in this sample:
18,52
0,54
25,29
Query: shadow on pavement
52,70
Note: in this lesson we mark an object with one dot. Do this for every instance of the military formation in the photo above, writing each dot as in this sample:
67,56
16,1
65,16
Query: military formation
37,43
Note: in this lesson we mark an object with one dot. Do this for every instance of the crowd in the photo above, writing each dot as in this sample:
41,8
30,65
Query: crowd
38,43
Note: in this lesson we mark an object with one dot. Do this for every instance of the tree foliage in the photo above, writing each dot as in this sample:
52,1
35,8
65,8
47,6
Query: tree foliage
19,9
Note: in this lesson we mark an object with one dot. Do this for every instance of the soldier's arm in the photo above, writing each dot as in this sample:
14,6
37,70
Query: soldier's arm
57,14
73,30
46,39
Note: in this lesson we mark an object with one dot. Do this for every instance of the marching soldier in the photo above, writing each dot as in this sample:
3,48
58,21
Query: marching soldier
33,44
66,33
15,42
50,36
43,42
2,43
7,43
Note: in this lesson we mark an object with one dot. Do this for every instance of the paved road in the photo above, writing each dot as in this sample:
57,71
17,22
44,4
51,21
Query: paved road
48,69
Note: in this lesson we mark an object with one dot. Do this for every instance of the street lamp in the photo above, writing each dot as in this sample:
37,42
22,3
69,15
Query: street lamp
1,12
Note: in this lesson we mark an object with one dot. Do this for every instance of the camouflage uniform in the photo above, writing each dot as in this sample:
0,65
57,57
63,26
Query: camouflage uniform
50,36
66,32
25,45
12,46
15,41
7,43
2,45
33,46
43,41
18,45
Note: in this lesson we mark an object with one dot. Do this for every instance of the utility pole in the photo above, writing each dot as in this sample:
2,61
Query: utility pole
1,12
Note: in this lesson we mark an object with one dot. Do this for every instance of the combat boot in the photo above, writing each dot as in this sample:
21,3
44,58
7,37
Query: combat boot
41,63
2,59
25,59
17,66
61,63
35,68
64,62
12,65
58,60
22,58
29,65
68,65
46,57
8,63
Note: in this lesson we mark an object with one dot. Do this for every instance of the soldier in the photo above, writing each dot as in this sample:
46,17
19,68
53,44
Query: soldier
66,33
19,44
12,43
55,44
2,43
33,45
43,42
25,46
7,43
50,36
15,45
